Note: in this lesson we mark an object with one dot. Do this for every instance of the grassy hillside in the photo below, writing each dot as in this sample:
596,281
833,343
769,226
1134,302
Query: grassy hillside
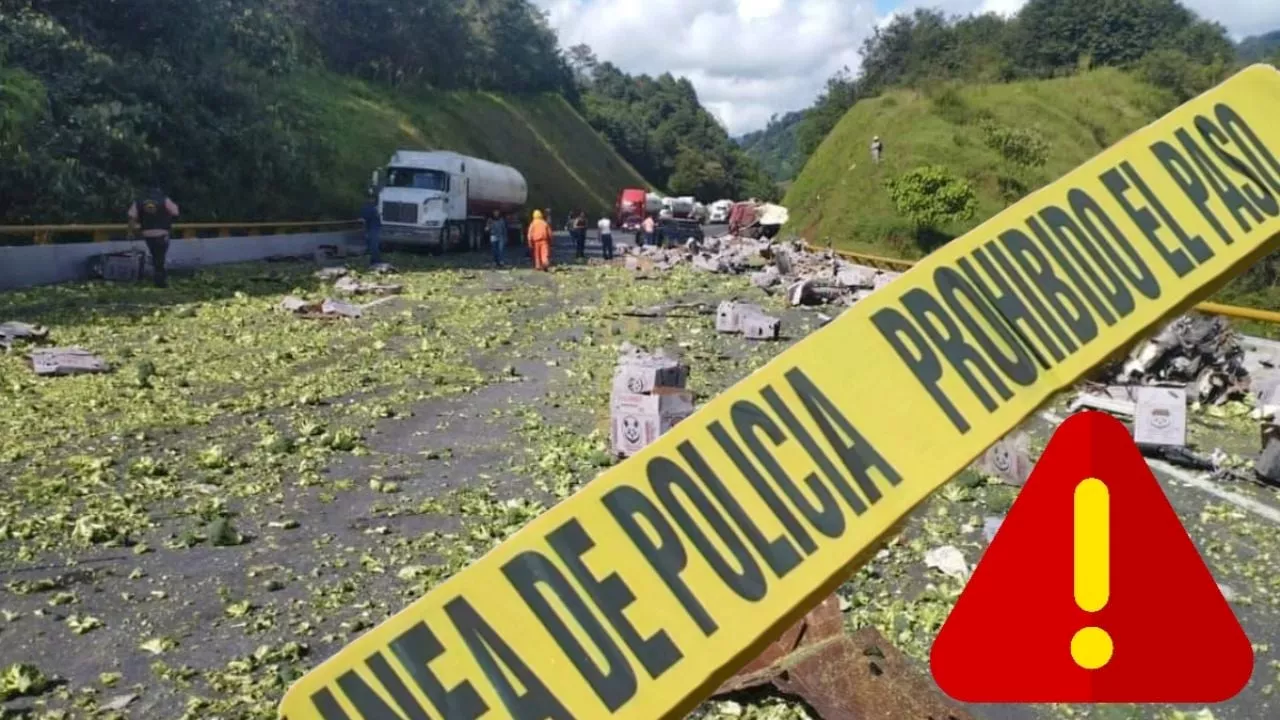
840,194
566,163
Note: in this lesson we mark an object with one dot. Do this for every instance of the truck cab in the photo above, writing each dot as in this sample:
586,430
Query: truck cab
630,209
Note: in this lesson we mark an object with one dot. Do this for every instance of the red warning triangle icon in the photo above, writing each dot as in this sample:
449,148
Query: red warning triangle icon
1091,591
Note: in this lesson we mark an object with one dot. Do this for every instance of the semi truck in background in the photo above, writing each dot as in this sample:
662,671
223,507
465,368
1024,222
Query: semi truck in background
441,200
633,205
678,207
677,214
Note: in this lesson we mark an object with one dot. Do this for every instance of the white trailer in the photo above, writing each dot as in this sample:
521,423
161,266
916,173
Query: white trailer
441,199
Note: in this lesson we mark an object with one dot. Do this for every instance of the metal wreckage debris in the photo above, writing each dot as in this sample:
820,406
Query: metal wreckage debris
807,277
13,332
1200,351
843,676
1194,360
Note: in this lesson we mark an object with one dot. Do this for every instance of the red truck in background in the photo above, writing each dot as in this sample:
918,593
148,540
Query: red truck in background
630,209
672,214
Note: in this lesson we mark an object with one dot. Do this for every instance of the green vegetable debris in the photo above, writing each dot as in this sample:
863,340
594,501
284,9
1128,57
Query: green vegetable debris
249,491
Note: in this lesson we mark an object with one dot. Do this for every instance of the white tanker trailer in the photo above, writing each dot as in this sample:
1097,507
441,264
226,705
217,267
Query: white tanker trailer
441,200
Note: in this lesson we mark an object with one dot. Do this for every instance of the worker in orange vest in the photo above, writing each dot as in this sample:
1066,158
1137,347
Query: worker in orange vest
540,242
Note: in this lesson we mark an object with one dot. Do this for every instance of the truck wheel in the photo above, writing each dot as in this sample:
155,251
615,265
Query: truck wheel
455,238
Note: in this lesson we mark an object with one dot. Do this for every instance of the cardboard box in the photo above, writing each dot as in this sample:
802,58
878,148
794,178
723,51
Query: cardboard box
727,317
125,266
731,317
856,276
885,278
66,361
642,373
758,326
1161,417
636,420
1009,459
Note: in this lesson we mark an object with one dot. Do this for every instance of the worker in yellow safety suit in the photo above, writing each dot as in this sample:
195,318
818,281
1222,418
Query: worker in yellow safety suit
540,242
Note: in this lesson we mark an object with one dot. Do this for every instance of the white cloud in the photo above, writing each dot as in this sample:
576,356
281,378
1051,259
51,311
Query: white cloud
750,59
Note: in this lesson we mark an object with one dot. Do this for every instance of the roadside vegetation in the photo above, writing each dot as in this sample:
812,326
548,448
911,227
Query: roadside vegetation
278,109
979,136
659,125
248,491
1161,41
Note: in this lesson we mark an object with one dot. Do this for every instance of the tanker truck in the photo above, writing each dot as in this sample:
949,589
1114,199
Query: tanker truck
678,207
440,199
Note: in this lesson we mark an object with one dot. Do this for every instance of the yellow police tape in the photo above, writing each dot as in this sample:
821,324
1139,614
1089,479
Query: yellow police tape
637,596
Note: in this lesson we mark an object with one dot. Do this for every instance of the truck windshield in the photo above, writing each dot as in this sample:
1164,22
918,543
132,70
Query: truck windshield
418,178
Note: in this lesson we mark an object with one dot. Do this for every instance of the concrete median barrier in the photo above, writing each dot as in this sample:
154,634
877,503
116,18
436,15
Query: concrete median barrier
29,266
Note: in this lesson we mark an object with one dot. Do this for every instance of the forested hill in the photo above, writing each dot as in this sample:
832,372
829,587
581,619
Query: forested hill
977,112
777,146
660,126
278,109
1160,39
1260,48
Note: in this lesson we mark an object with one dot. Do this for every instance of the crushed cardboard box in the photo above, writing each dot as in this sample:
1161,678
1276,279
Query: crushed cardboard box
66,361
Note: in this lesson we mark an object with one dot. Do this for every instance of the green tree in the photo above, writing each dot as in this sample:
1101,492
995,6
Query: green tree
840,94
931,197
661,128
196,95
776,147
1259,48
1052,36
1177,72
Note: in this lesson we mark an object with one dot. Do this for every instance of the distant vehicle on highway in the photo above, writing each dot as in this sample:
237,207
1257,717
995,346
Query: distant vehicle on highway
676,231
630,209
634,204
700,213
441,199
719,212
678,207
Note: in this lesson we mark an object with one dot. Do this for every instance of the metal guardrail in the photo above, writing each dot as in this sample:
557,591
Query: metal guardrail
44,234
1234,311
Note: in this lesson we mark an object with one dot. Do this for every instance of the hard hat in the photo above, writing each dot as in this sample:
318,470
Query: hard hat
537,214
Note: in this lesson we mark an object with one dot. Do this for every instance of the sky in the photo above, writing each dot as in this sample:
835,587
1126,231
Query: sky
750,59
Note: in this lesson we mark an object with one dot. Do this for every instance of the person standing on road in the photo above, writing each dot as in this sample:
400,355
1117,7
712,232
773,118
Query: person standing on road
498,238
540,238
648,227
580,234
372,229
606,237
877,148
155,213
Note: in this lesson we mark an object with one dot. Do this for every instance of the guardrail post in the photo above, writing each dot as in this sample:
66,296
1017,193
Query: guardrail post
42,237
101,236
189,233
224,231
